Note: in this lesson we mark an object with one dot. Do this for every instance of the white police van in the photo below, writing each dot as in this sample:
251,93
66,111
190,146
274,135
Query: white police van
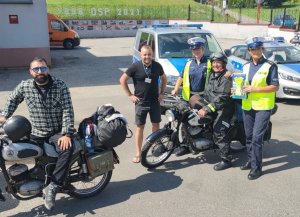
287,57
171,50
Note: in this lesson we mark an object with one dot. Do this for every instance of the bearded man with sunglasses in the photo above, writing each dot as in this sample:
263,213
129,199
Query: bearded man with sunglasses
52,117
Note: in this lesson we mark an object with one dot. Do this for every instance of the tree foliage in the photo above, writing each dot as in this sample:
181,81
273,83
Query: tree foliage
252,3
273,3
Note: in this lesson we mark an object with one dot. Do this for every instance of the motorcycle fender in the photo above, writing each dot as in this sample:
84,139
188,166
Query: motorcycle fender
153,136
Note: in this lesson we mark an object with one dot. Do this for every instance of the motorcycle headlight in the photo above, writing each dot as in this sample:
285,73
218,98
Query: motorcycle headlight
170,115
288,77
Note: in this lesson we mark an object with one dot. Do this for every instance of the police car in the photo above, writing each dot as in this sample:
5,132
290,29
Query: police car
285,55
171,50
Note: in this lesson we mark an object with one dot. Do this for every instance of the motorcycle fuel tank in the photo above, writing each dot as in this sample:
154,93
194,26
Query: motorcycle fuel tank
21,151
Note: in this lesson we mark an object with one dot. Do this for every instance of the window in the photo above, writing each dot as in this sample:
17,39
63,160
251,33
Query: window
152,42
175,45
143,40
56,25
240,52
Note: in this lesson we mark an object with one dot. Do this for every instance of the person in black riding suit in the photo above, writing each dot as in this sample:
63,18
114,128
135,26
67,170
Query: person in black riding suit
217,102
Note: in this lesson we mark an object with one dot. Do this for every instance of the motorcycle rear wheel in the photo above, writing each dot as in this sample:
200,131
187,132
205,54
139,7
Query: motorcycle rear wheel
90,186
156,152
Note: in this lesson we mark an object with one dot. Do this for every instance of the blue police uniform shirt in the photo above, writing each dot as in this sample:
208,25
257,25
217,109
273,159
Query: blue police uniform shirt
272,78
197,74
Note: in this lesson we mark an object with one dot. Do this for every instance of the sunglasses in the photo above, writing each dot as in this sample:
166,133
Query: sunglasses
42,68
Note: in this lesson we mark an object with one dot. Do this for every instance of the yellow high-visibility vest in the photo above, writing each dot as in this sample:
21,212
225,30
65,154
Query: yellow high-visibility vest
261,100
186,90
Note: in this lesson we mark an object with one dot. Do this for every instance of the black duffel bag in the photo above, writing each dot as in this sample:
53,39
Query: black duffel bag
111,127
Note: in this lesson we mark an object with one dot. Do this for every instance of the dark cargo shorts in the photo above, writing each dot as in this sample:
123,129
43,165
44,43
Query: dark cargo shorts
142,109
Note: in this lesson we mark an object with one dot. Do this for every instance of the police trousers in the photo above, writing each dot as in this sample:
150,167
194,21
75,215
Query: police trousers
255,124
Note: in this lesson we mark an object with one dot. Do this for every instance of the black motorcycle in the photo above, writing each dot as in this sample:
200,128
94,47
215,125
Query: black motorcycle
88,174
186,127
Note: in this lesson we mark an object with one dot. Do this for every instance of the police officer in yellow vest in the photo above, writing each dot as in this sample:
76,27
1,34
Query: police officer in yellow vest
261,86
194,72
193,76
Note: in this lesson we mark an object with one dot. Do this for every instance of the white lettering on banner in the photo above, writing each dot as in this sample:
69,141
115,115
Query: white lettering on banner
99,11
119,11
126,11
73,11
80,11
66,11
58,11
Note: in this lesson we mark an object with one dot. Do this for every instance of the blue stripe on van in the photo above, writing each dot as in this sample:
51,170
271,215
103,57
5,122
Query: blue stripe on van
178,63
134,59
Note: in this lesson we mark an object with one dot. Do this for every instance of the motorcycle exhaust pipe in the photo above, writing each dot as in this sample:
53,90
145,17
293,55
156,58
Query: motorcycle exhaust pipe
2,198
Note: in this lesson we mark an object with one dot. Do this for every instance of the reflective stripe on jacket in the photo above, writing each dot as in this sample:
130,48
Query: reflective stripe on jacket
261,100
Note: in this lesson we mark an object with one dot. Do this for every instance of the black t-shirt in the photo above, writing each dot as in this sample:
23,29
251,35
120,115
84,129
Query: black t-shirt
146,92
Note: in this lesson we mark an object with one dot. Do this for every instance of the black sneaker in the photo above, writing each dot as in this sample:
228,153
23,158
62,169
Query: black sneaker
49,194
182,150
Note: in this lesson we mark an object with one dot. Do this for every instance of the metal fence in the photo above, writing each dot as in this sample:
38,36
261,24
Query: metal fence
286,17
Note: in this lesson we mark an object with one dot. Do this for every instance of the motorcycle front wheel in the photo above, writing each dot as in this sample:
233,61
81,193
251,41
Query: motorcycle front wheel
157,151
87,187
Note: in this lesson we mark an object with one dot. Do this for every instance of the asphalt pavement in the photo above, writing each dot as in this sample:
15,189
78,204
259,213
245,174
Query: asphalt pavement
183,186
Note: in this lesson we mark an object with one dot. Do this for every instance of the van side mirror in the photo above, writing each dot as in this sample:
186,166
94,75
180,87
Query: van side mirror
227,52
65,29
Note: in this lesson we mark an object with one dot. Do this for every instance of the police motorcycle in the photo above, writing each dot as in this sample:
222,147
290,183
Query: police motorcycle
88,174
185,126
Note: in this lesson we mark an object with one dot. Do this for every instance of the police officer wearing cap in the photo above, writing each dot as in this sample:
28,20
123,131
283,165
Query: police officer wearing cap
261,86
193,76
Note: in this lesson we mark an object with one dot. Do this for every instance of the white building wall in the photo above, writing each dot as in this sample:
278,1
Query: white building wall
29,36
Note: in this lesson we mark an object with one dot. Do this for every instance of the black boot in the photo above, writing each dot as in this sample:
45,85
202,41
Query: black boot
246,166
255,173
224,164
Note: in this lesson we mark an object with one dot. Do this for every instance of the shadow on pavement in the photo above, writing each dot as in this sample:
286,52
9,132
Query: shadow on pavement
281,156
116,192
278,156
10,202
284,153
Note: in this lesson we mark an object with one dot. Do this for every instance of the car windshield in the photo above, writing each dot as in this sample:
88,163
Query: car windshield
176,46
288,54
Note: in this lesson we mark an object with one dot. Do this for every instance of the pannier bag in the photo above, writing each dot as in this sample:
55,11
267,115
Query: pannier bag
100,163
111,127
106,128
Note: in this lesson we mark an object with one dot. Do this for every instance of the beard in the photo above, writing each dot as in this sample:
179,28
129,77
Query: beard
41,79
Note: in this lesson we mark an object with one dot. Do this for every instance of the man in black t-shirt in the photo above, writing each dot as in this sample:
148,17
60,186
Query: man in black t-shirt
145,75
